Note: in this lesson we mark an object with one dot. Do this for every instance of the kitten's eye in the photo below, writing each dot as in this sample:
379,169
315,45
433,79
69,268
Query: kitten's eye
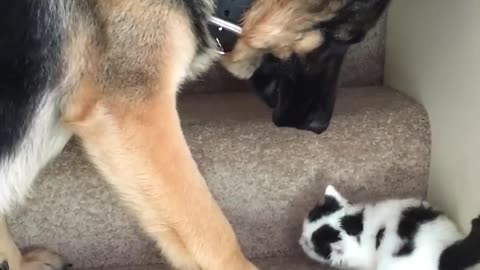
324,250
323,238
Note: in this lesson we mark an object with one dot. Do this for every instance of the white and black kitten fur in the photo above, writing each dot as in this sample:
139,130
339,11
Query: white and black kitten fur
397,234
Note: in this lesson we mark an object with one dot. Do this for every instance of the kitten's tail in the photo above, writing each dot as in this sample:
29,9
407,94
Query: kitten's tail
464,253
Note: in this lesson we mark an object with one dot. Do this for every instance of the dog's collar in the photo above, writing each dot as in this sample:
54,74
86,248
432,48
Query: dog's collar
224,26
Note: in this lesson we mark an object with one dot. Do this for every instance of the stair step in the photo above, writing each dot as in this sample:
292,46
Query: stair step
265,178
282,263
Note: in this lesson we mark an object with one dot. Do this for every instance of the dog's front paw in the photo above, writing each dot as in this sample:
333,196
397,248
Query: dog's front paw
43,259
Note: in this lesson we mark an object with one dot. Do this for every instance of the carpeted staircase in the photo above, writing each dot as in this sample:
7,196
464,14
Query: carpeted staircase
265,178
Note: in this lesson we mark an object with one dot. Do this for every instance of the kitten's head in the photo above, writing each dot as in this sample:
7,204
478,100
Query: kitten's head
331,231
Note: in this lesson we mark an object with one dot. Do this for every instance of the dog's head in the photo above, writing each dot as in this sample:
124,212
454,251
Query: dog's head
292,51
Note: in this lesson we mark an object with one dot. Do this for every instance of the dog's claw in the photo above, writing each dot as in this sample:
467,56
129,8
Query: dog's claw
4,266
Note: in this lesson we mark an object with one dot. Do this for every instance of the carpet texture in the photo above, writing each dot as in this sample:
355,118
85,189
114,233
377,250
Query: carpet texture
281,263
265,178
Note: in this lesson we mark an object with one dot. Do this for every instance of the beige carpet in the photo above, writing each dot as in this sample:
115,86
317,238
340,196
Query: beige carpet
281,263
265,178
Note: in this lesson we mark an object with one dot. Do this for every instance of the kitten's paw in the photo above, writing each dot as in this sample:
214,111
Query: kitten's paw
4,265
43,259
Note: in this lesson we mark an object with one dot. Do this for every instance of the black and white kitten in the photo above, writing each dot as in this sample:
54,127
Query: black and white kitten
396,234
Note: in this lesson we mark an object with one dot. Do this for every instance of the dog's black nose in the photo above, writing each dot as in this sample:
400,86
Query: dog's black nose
317,126
314,121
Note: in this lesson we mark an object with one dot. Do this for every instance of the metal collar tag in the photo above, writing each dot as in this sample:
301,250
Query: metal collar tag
223,25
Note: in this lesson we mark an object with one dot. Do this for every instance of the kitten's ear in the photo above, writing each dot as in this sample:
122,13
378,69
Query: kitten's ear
330,191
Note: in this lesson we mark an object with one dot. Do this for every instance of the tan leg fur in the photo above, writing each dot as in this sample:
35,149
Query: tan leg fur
141,150
133,135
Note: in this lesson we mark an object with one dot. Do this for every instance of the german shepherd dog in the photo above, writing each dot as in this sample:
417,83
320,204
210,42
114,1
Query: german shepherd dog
108,72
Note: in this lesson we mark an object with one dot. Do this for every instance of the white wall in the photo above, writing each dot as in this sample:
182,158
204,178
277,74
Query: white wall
433,55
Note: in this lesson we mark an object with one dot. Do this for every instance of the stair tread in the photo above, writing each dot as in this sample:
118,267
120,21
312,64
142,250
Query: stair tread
280,263
265,178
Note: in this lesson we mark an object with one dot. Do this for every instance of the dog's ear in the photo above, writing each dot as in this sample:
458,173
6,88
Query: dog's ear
280,28
245,59
332,193
242,61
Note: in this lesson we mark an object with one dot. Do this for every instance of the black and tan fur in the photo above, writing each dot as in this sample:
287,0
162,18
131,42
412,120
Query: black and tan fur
108,71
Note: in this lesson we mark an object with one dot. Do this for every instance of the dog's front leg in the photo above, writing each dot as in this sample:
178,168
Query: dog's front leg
139,146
